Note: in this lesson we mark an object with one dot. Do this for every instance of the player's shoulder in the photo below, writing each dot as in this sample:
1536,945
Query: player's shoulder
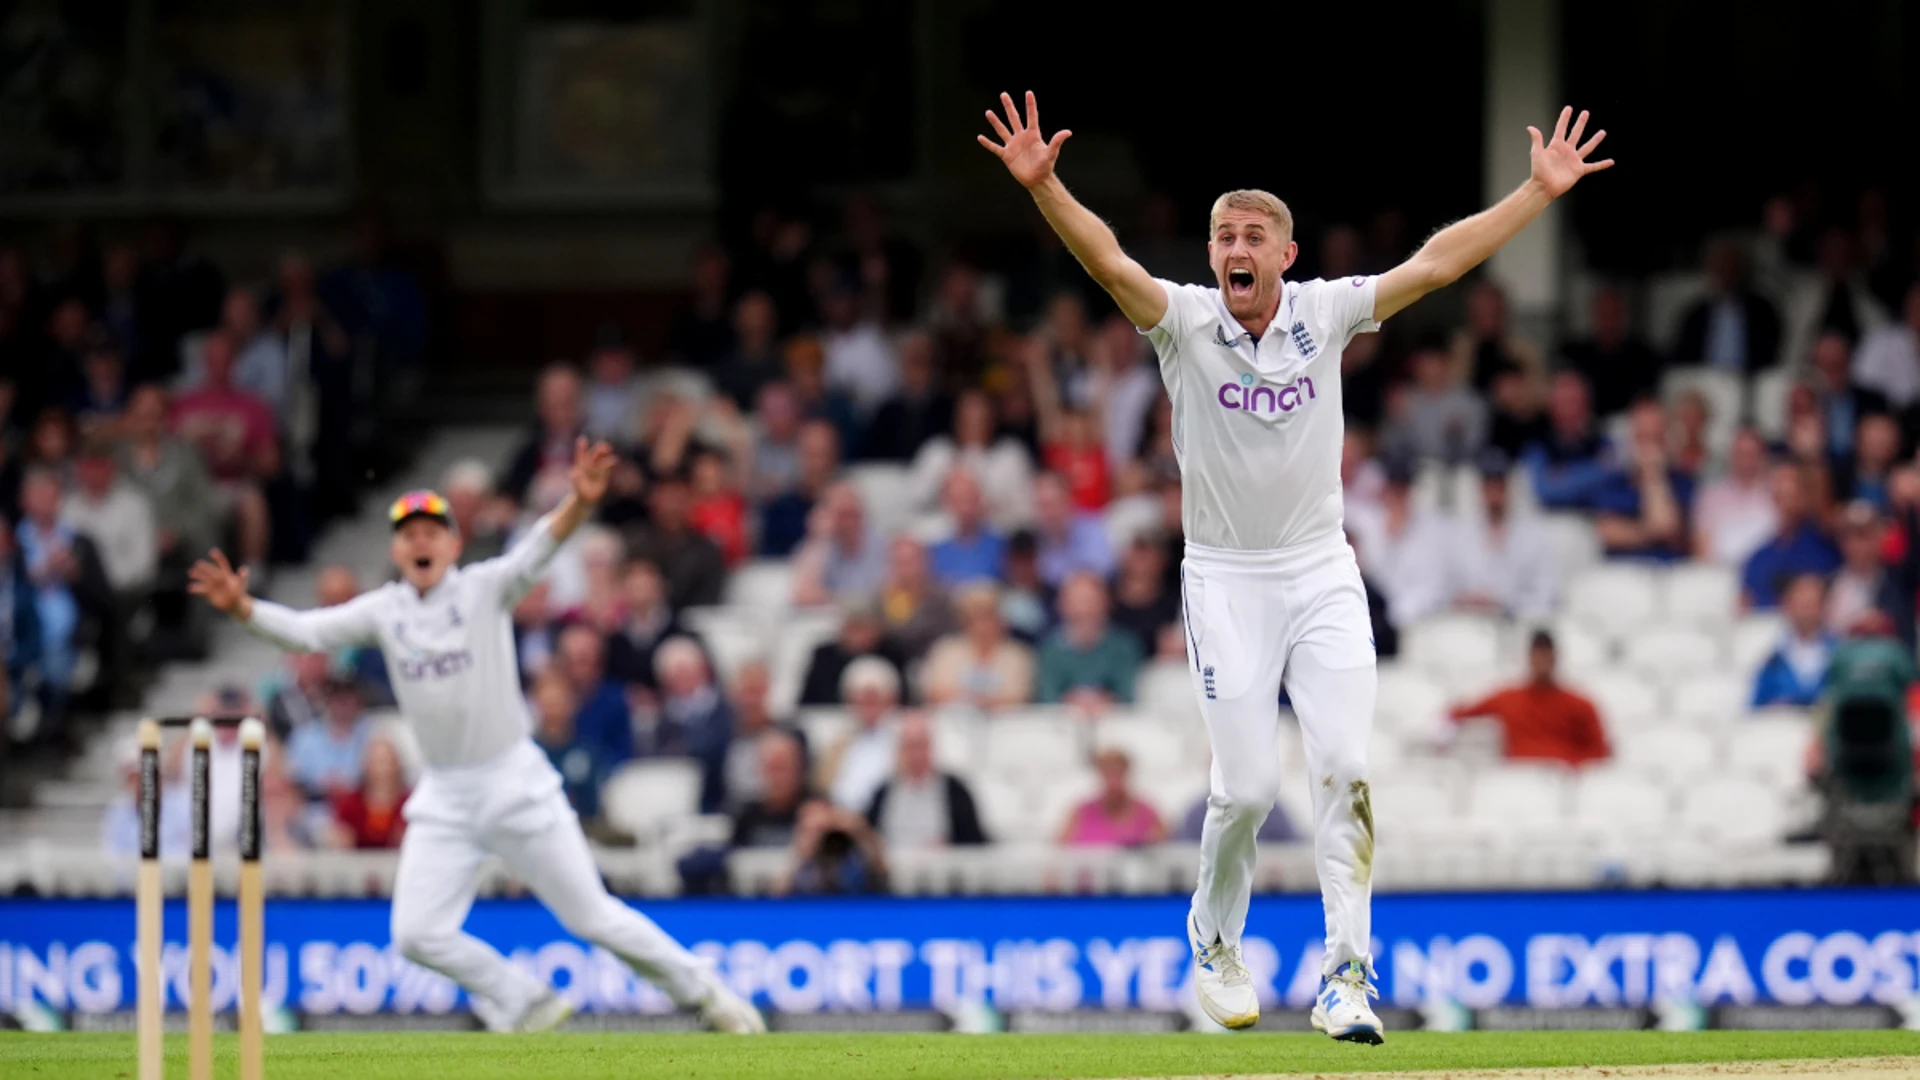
1322,288
1190,304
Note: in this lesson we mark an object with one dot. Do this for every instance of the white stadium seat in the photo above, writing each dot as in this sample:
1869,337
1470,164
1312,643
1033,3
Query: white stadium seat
1609,801
1770,391
1579,649
883,494
1150,745
1416,806
1771,749
958,741
1575,544
1702,595
1677,754
1513,800
1446,645
1056,800
1165,688
1625,700
1615,599
765,584
1408,702
1733,810
1754,638
1668,653
1709,700
824,727
1034,744
646,797
1007,811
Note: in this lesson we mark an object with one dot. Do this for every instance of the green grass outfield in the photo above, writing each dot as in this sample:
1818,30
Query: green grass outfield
924,1057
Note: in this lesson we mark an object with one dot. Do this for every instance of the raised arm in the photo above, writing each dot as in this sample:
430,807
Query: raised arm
1030,159
1558,164
521,564
318,630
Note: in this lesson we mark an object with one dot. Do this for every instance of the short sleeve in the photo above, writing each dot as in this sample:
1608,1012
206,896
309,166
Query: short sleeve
1347,305
1184,307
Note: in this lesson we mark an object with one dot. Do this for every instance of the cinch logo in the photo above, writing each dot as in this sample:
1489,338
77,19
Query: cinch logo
435,665
1265,398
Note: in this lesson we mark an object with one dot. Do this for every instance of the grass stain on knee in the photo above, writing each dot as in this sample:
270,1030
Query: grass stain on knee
1363,847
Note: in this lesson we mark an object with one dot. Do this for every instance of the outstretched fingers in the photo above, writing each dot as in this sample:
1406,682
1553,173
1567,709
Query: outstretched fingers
1560,125
1013,112
1033,111
1579,127
999,128
1058,138
1590,144
1535,133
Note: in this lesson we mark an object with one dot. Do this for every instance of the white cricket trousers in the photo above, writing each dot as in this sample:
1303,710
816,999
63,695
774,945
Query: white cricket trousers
513,807
1256,619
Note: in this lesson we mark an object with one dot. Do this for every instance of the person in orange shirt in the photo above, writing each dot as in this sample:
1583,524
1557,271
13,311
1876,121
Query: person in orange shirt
1544,721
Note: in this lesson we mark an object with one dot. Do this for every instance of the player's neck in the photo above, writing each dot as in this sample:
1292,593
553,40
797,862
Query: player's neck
1258,327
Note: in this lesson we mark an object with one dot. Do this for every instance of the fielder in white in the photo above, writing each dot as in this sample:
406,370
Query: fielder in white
447,636
1272,594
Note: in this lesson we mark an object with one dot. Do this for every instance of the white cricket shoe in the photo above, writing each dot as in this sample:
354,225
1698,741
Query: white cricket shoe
544,1013
1221,981
1342,1011
727,1011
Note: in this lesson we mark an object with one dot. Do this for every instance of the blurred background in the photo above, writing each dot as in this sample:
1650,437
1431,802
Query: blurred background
885,606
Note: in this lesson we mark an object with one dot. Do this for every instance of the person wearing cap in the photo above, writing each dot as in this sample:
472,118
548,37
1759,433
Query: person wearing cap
485,787
1502,563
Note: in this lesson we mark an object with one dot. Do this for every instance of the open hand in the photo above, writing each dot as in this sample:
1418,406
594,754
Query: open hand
592,467
1559,163
1021,149
218,582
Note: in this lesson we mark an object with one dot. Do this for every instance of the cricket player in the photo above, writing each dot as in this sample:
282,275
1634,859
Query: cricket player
1270,588
447,637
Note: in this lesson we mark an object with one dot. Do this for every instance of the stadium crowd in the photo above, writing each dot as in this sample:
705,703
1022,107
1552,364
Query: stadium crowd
1034,555
151,407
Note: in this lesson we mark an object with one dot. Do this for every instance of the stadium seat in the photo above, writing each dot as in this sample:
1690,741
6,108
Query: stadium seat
1610,802
1702,595
644,798
763,584
1770,390
1151,745
1445,646
1416,806
1771,749
1518,800
824,728
798,634
1669,653
1034,743
1006,810
1679,755
1708,700
1408,702
1625,700
1057,798
958,736
883,494
1165,688
1754,638
1733,810
1579,650
1575,544
1614,599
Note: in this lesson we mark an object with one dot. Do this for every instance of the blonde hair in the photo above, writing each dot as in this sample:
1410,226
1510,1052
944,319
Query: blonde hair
1251,199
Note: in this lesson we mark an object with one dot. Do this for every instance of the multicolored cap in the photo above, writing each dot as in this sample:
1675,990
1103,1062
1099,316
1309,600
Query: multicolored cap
420,504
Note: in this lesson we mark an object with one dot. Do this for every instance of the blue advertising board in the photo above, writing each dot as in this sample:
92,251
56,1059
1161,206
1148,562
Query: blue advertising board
1802,947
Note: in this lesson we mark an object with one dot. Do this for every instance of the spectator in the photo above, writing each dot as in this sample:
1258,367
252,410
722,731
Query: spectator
1486,346
1689,452
480,519
287,823
1616,362
785,519
647,621
835,852
180,492
118,519
1735,514
843,558
1027,602
604,718
918,409
548,451
806,372
297,697
691,564
1842,405
326,758
860,361
1796,671
583,764
753,719
1542,720
336,585
1733,328
1573,459
120,300
120,824
50,444
770,820
1864,475
1143,605
774,468
695,719
234,432
1003,467
718,510
1864,582
369,816
1087,662
1503,563
915,607
974,549
1798,545
1888,361
861,634
1276,829
58,368
961,317
1124,384
1435,418
66,577
1835,301
1641,504
324,415
260,357
1386,636
378,303
1072,444
1406,550
979,665
702,334
100,396
855,767
922,807
1070,540
754,360
1116,817
612,404
19,627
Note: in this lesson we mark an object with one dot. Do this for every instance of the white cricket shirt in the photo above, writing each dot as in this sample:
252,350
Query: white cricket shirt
1257,424
449,653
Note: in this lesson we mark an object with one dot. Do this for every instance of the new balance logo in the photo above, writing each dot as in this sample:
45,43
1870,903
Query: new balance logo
1303,341
1206,678
1220,337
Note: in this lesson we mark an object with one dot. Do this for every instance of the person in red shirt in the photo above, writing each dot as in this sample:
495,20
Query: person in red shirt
1544,721
234,432
719,509
370,817
1071,440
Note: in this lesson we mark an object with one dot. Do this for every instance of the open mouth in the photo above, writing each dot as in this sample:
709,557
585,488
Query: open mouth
1240,281
423,562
